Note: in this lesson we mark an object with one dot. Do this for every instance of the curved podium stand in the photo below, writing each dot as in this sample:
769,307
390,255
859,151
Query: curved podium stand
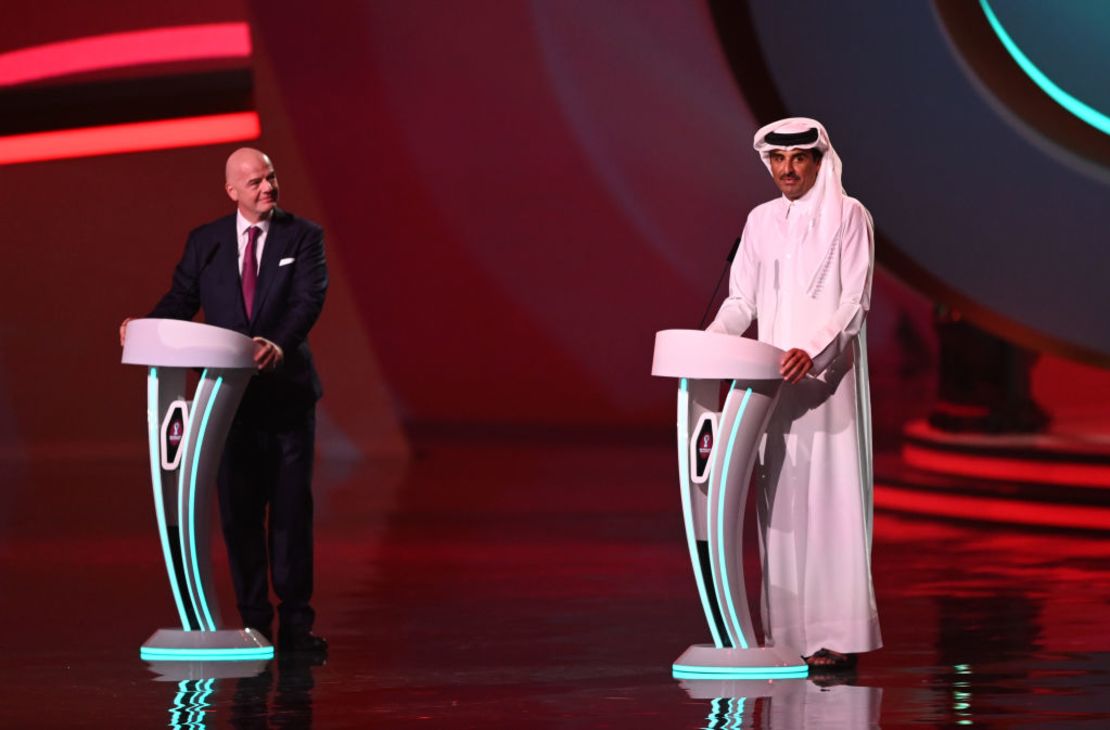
186,440
717,446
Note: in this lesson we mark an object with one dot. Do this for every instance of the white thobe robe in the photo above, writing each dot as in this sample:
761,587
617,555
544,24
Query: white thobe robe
814,467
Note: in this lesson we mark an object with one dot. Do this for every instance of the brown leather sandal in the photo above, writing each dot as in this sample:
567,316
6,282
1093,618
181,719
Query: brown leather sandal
831,660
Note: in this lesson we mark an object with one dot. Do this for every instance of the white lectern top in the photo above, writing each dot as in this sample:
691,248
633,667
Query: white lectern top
712,356
176,343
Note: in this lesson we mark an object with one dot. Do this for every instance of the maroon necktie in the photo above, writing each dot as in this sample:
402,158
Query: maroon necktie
250,269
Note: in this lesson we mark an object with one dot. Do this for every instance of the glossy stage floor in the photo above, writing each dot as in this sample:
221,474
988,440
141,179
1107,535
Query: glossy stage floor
531,585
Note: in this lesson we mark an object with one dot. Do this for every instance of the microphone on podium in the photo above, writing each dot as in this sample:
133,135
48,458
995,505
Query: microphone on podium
728,264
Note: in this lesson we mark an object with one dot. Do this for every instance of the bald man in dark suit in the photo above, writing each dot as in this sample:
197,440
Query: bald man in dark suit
261,272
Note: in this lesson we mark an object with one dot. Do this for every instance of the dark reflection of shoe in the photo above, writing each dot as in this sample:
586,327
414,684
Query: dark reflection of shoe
249,703
824,677
295,663
303,642
292,700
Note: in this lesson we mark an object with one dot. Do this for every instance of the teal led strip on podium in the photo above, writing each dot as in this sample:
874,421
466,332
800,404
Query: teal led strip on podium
185,438
717,447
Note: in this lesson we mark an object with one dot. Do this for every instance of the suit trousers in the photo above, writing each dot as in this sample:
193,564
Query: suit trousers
265,491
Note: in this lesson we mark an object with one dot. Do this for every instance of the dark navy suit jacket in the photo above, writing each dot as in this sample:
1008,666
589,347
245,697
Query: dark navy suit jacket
292,282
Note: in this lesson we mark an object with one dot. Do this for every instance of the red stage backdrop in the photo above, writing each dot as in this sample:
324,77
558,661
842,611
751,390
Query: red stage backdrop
517,196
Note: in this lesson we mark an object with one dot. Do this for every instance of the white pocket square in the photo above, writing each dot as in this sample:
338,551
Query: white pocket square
285,262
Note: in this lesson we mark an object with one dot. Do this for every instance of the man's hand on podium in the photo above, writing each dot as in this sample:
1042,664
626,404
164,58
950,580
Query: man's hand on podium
795,364
267,355
123,330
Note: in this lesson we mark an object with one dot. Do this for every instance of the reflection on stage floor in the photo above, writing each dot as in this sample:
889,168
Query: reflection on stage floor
531,585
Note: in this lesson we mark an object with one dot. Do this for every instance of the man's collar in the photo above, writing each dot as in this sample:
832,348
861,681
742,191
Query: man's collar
242,224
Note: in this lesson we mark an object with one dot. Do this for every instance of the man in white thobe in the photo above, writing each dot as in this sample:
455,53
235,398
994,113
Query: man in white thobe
804,273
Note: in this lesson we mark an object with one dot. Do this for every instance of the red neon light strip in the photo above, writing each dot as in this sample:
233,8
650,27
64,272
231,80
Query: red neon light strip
1012,470
987,509
118,50
136,137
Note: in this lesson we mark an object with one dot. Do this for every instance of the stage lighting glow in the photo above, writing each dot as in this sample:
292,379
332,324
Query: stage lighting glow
743,642
156,480
133,137
991,509
1083,111
688,507
207,655
1006,468
122,50
685,671
190,703
201,598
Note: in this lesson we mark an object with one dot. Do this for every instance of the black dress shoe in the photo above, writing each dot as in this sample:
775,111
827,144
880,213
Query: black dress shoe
304,642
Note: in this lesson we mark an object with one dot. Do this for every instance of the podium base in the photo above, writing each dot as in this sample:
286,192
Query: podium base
178,671
711,689
705,661
167,645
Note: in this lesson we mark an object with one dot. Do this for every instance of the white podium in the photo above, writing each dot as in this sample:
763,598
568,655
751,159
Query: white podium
186,440
717,446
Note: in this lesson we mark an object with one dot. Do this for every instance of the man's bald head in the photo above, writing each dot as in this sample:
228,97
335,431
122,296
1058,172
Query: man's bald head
251,182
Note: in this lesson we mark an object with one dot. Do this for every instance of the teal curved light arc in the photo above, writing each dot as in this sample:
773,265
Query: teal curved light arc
1085,112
